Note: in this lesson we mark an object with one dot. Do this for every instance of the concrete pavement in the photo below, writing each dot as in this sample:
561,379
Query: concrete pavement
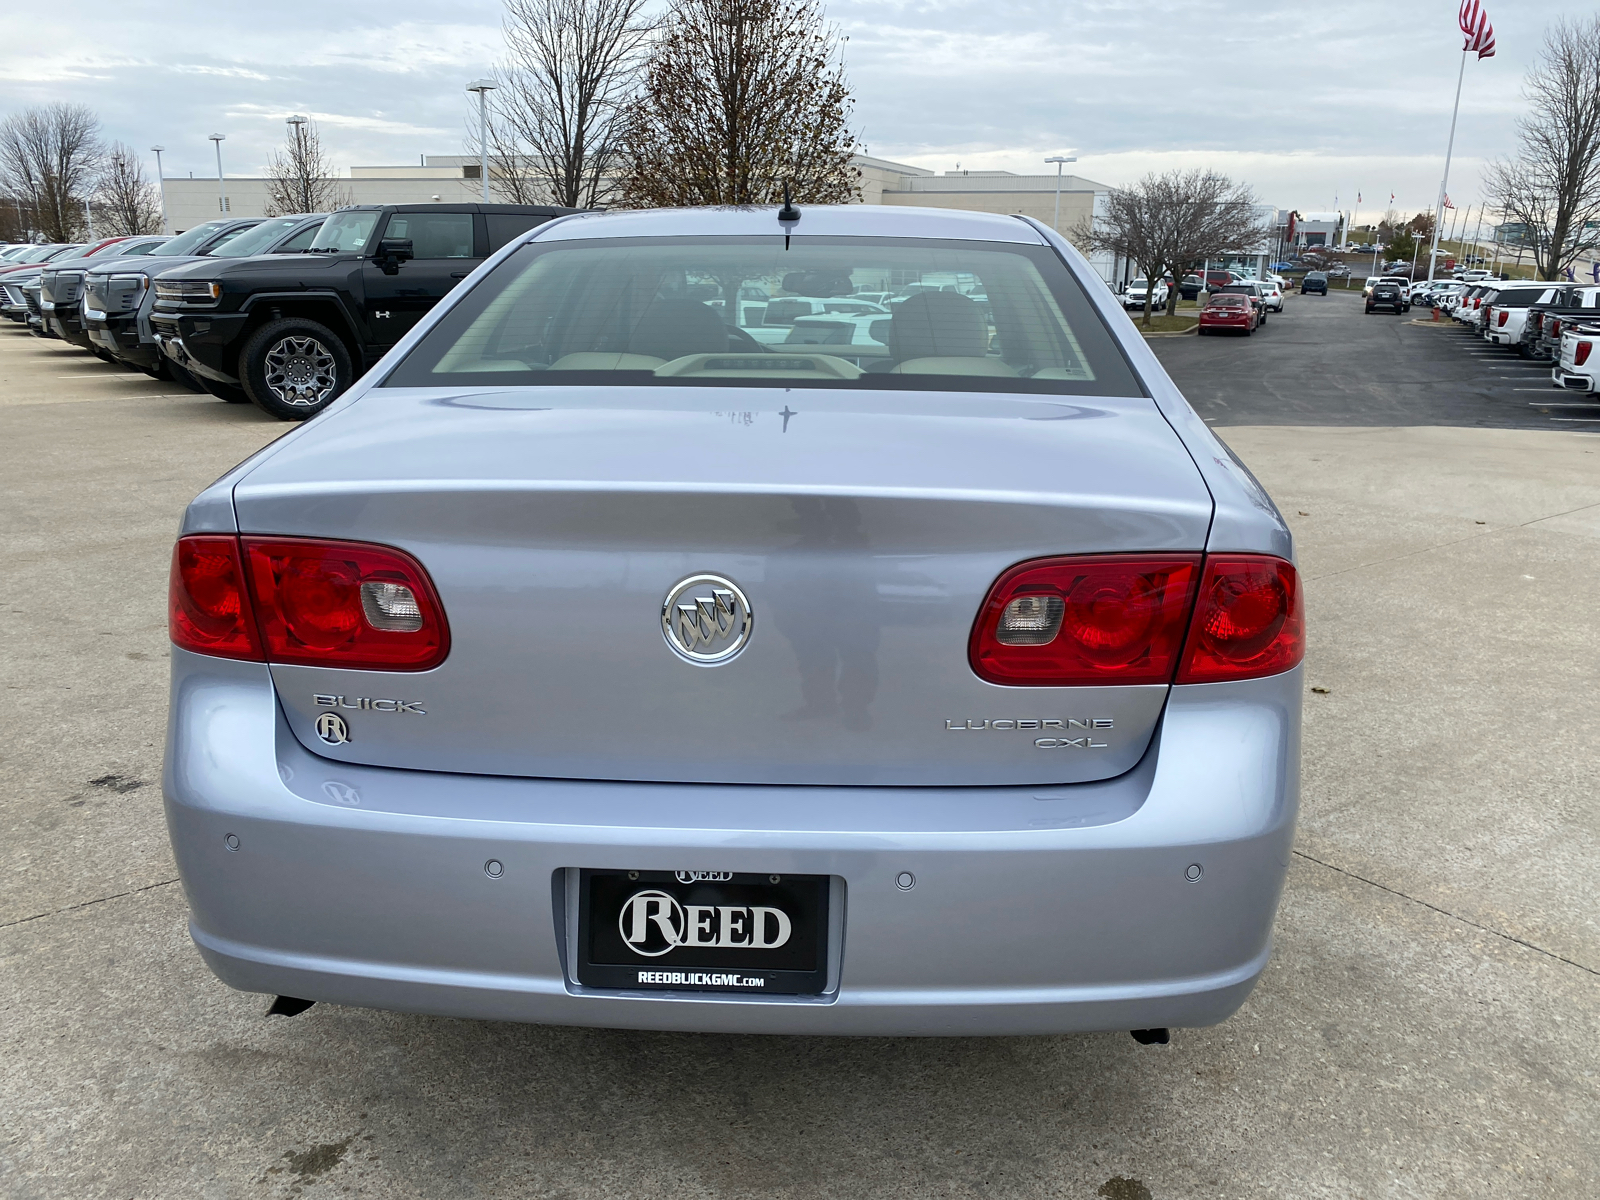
1426,1028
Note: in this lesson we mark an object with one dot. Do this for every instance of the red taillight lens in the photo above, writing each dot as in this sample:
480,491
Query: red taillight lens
1500,318
345,604
1098,619
1555,328
208,610
1125,619
1249,620
1581,354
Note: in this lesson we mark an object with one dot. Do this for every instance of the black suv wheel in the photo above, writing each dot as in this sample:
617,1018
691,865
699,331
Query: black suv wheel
295,368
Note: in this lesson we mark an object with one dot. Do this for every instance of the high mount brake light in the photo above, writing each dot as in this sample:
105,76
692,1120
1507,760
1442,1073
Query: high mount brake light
306,601
1130,619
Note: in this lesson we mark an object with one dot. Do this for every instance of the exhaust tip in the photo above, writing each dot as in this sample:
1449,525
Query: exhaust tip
292,1006
1145,1037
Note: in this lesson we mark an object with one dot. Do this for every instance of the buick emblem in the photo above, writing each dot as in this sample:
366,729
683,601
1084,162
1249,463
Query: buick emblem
332,729
706,620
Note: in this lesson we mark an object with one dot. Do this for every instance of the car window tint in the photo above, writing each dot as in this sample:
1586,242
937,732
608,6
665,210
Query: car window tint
300,241
966,316
506,227
434,235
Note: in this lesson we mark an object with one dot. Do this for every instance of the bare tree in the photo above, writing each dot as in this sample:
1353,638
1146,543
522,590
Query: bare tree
571,68
1168,222
300,177
50,158
1553,185
125,199
740,98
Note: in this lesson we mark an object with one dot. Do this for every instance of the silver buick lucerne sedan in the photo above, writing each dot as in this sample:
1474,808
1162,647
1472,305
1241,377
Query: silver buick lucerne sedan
595,661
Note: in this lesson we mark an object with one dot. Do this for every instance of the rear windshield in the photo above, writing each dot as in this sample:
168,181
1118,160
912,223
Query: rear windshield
1229,301
958,316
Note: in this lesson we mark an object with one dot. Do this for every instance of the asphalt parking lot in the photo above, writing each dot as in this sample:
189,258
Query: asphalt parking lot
1426,1028
1326,361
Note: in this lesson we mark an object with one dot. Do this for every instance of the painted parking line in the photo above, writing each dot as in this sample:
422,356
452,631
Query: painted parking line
1562,404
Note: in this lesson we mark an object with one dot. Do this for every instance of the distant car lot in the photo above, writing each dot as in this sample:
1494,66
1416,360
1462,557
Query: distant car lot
1326,361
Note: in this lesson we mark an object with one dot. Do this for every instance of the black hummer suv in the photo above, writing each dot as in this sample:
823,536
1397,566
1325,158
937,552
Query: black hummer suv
293,333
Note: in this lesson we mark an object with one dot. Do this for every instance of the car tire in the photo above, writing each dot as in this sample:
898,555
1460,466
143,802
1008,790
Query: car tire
294,368
224,391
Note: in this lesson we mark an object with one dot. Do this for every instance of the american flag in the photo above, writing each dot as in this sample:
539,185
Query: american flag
1476,29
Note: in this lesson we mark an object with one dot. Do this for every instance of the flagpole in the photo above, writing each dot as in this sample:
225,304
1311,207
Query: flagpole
1438,218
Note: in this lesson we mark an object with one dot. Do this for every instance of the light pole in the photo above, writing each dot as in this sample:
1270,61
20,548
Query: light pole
296,124
483,87
222,188
161,182
1059,162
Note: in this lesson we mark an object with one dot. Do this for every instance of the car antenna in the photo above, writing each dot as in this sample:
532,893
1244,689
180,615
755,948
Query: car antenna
788,215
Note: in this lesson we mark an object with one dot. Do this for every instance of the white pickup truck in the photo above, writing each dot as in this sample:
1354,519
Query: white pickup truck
1509,310
1577,364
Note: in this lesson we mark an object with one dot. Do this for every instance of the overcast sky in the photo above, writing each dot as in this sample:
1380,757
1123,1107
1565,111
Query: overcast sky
1302,101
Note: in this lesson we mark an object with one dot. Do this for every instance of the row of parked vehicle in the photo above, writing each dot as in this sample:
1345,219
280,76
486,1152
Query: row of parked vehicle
283,312
1558,323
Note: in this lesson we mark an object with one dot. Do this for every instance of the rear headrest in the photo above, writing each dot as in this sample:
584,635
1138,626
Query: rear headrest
937,325
672,328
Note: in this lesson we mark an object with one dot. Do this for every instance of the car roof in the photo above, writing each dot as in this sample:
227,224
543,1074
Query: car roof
842,220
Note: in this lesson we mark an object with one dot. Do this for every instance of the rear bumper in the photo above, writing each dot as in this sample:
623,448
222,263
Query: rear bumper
1572,381
1035,910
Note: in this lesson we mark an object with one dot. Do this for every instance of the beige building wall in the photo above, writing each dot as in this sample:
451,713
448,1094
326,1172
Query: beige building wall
451,178
190,201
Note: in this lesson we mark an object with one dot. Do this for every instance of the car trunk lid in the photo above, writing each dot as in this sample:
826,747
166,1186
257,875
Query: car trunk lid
864,529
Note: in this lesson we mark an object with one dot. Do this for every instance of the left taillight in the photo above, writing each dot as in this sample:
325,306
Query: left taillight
306,601
208,607
1500,318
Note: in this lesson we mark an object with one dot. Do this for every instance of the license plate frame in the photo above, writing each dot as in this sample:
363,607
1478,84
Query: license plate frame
722,906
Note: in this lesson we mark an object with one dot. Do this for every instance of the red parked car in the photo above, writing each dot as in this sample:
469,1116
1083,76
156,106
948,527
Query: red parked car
1230,311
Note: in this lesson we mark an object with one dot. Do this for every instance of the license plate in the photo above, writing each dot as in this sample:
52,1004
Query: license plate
703,931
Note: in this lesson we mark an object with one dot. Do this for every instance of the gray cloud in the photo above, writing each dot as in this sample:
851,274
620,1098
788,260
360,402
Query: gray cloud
1301,101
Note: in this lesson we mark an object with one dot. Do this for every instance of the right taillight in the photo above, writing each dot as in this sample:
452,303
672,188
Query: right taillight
1249,620
1581,354
1555,329
1130,619
1085,620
